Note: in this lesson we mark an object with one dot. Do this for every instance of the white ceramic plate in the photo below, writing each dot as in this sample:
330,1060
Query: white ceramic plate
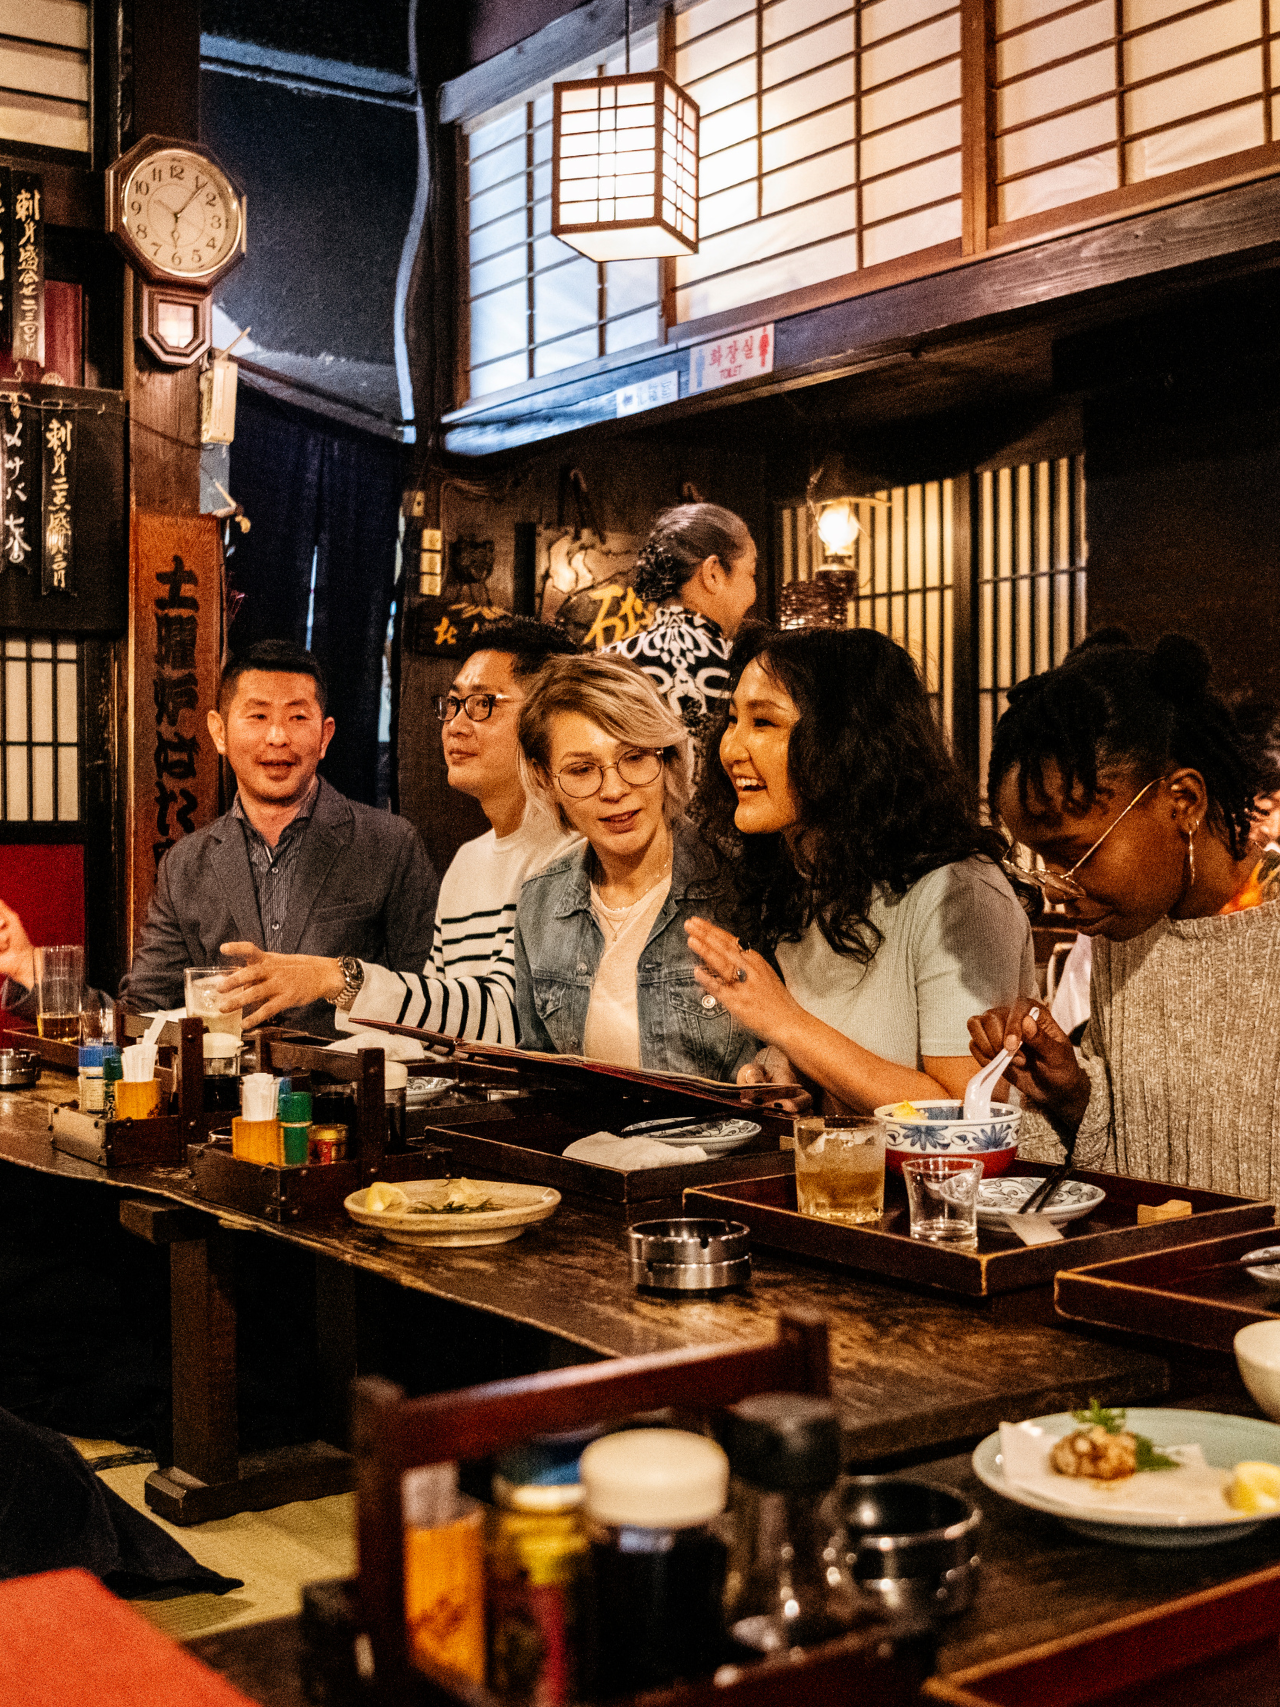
1226,1441
419,1092
715,1136
1000,1197
1269,1274
519,1206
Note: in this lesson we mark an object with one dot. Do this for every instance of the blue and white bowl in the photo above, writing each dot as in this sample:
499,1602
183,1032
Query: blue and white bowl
945,1132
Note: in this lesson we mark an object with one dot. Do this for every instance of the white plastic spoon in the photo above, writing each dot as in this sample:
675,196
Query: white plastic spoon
977,1093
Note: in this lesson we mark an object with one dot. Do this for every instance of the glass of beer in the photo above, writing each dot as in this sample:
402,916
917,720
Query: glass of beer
205,997
840,1168
59,981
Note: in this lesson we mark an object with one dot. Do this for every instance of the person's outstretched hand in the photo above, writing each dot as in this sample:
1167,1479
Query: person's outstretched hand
771,1067
17,959
267,984
1044,1066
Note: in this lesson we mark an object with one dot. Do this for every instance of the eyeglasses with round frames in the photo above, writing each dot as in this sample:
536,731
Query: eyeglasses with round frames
580,781
1058,886
478,706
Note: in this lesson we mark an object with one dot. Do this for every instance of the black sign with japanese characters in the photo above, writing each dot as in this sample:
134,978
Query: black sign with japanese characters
28,267
6,257
59,435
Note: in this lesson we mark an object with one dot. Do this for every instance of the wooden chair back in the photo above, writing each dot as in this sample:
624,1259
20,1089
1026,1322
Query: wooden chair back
392,1434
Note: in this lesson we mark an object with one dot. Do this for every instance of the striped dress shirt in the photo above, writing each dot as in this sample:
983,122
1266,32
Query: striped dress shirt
273,867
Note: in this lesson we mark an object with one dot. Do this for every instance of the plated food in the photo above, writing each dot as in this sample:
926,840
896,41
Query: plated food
1196,1477
451,1212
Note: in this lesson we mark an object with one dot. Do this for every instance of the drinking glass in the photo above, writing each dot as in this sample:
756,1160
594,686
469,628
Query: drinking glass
204,1000
840,1168
59,981
942,1192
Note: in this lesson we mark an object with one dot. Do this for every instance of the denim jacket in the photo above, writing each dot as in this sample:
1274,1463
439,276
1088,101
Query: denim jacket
558,948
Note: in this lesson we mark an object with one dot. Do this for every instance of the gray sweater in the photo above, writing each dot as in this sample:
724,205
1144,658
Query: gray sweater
1183,1055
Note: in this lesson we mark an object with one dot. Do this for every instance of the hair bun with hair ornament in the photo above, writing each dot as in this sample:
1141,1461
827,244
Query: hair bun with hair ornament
657,572
1180,668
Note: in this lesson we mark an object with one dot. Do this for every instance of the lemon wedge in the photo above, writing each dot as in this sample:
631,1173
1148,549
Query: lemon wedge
1254,1487
906,1111
380,1197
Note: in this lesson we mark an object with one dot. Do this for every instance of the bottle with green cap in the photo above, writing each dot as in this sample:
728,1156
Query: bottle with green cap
653,1501
788,1583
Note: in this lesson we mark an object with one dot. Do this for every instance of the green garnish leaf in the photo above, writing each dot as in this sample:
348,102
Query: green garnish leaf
1150,1457
1098,1416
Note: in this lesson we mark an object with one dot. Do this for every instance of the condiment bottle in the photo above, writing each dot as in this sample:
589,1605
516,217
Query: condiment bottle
652,1501
92,1086
395,1082
295,1126
112,1070
535,1564
788,1583
443,1571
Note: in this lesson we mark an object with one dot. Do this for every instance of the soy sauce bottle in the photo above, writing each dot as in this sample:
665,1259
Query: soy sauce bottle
788,1583
652,1502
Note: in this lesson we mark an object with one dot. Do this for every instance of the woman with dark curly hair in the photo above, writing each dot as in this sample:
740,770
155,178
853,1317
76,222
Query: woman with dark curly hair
698,566
855,860
1131,781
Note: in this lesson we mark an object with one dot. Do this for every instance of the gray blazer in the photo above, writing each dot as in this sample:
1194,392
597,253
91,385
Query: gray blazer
363,885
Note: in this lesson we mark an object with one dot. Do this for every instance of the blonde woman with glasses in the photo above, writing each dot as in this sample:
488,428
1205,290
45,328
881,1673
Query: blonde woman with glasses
603,967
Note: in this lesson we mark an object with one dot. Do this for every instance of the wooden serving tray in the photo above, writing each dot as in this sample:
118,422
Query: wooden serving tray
1186,1295
1209,1648
1000,1264
523,1139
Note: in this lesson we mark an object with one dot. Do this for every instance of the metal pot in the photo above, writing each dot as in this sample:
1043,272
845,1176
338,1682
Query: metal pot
689,1255
19,1069
912,1545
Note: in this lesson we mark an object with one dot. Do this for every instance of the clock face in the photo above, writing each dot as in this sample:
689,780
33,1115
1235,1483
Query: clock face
181,213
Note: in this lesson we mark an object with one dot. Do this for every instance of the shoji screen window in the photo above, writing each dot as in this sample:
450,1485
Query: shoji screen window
1030,570
904,560
1091,98
830,140
536,304
44,73
40,731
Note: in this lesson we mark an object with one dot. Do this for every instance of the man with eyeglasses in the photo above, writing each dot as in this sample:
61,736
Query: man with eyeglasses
466,988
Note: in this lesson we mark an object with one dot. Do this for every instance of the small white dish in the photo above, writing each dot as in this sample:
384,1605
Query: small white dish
1257,1349
1225,1441
715,1136
1000,1197
419,1092
517,1207
1268,1274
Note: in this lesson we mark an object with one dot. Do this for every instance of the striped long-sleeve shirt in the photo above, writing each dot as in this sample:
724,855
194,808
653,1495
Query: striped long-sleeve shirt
467,988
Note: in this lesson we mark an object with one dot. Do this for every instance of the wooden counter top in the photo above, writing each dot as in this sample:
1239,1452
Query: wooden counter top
913,1372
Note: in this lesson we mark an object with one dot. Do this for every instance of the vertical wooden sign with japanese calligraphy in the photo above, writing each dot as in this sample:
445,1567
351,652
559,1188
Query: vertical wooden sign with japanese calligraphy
175,655
28,268
20,445
58,440
6,258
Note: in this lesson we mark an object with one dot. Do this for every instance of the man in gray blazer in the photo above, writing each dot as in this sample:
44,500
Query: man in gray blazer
294,866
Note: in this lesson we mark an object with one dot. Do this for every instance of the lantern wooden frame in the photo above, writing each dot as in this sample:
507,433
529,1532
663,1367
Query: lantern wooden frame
660,203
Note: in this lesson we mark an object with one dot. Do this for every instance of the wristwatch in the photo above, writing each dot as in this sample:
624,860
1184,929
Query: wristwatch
352,982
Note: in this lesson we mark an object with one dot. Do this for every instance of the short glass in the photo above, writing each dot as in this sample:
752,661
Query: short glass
59,982
204,1000
840,1168
942,1194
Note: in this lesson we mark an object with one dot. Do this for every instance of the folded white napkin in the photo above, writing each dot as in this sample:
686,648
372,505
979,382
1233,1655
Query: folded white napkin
1194,1492
397,1048
607,1150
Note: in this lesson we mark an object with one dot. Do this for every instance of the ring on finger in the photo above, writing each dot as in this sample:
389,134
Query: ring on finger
740,974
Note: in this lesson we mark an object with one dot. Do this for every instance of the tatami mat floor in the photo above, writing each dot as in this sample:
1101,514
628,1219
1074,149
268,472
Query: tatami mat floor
275,1552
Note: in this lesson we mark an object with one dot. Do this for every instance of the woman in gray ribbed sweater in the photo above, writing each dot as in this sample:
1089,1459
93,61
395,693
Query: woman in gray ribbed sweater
1129,779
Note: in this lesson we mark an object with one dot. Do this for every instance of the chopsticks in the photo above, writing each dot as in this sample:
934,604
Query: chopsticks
1040,1197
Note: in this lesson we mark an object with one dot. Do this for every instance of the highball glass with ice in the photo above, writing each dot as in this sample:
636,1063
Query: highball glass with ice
840,1168
204,1000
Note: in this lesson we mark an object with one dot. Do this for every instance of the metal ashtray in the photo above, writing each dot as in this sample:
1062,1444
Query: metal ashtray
912,1545
689,1255
19,1069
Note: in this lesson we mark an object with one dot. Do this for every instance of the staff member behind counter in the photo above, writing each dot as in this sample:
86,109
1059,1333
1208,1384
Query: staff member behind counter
293,864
